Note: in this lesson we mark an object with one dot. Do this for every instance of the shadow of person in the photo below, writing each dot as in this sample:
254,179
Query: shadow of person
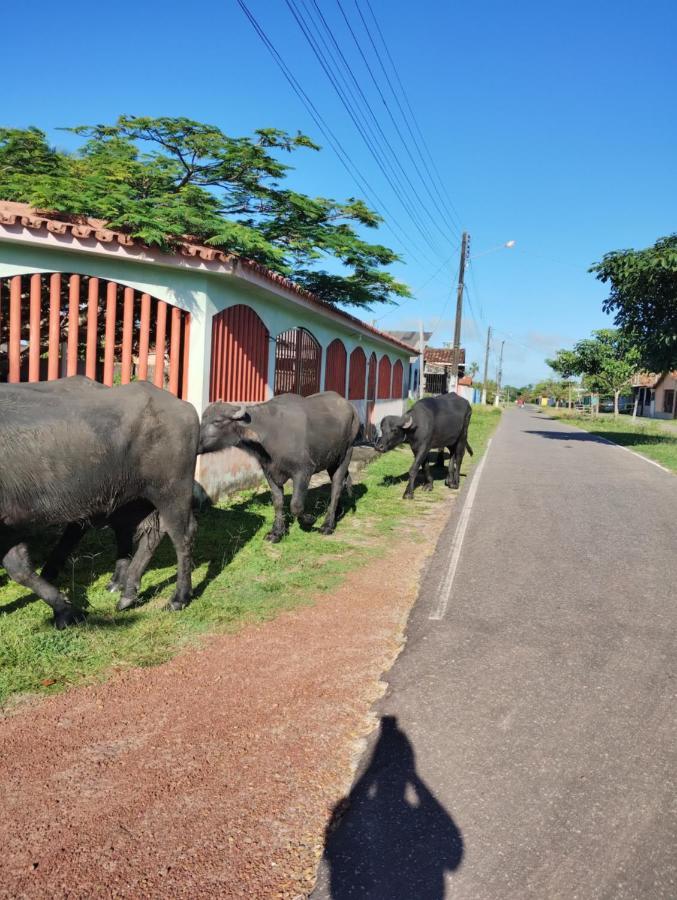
395,841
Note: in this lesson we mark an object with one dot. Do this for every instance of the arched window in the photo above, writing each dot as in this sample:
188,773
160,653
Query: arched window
371,380
398,379
358,374
297,363
384,378
239,361
335,374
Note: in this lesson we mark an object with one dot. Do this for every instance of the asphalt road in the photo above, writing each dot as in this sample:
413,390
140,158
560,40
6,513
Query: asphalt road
528,740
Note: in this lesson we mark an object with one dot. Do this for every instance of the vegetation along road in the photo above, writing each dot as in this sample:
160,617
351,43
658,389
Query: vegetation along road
528,738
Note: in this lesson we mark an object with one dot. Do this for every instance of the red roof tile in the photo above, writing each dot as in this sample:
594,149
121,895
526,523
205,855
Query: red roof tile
83,227
443,356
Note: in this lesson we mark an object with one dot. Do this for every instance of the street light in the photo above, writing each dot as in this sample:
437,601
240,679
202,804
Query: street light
507,245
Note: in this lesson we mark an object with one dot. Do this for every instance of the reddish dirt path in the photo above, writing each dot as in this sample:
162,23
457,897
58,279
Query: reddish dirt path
213,775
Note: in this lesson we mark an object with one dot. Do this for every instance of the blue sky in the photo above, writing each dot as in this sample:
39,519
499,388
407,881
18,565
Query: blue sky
552,124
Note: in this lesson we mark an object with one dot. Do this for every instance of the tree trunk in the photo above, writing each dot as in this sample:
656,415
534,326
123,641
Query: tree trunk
616,396
635,405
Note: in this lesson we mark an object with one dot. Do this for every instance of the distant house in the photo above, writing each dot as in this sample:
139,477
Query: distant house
441,365
656,394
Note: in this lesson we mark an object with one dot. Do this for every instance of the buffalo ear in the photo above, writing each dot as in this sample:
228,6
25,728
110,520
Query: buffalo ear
408,423
241,414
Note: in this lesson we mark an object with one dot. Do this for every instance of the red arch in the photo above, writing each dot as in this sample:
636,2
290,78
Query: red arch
239,361
371,379
398,380
384,378
358,374
335,374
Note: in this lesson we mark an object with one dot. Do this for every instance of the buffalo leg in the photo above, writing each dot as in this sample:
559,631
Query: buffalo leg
71,537
428,486
19,567
181,532
449,480
148,544
298,501
338,479
413,472
279,528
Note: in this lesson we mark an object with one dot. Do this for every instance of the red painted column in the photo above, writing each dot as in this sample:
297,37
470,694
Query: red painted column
15,329
92,327
186,356
175,351
127,336
160,340
73,325
109,339
34,330
54,326
144,337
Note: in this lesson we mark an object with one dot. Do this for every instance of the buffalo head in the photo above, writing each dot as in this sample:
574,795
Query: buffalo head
223,425
394,431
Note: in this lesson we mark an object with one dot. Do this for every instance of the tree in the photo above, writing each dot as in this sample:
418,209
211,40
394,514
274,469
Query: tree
643,296
565,364
161,180
472,369
607,360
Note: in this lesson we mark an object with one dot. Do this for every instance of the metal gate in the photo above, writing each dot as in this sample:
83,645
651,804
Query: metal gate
298,358
371,397
239,360
56,325
335,374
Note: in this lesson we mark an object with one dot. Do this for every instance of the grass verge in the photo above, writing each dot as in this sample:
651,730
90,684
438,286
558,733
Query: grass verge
646,437
238,578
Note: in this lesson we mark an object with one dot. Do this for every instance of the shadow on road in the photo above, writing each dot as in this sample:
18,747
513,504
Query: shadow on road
584,436
624,438
396,841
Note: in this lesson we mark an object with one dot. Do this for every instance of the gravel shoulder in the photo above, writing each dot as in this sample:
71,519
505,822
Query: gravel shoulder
214,774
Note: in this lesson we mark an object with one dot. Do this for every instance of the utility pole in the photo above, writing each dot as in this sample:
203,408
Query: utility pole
486,367
465,241
421,359
499,376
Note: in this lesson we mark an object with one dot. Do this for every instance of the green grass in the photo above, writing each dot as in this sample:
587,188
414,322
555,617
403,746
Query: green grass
645,437
238,577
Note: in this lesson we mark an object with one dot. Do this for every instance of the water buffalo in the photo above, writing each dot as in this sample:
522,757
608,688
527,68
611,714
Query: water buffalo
432,423
291,437
82,456
135,523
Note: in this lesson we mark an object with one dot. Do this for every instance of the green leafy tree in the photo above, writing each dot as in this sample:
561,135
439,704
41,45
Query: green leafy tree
643,297
472,369
607,360
565,363
161,180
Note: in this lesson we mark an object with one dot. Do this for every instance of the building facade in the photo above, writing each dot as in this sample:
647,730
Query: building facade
76,297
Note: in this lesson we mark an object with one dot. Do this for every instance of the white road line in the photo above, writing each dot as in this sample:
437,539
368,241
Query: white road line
621,447
444,594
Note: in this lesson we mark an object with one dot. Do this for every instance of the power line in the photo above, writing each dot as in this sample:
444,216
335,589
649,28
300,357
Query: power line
444,213
375,150
389,220
413,115
380,92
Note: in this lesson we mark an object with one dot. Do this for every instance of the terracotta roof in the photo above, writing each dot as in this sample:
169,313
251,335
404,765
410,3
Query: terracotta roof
83,227
443,356
645,379
466,380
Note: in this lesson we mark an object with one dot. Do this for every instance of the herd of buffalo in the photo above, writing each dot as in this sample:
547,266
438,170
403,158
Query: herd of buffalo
77,455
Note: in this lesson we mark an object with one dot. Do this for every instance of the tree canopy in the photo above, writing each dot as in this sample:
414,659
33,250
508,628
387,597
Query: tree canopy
161,180
643,297
607,360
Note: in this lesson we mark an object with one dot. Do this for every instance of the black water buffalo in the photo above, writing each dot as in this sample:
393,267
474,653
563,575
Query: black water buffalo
82,456
432,423
291,437
135,523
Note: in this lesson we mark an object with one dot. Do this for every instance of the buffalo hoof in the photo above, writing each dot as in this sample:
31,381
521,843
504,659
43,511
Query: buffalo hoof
65,617
327,529
448,483
427,487
307,522
124,603
408,495
176,605
274,537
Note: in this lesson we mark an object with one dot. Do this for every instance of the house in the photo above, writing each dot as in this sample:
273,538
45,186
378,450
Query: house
442,365
656,394
413,338
79,297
